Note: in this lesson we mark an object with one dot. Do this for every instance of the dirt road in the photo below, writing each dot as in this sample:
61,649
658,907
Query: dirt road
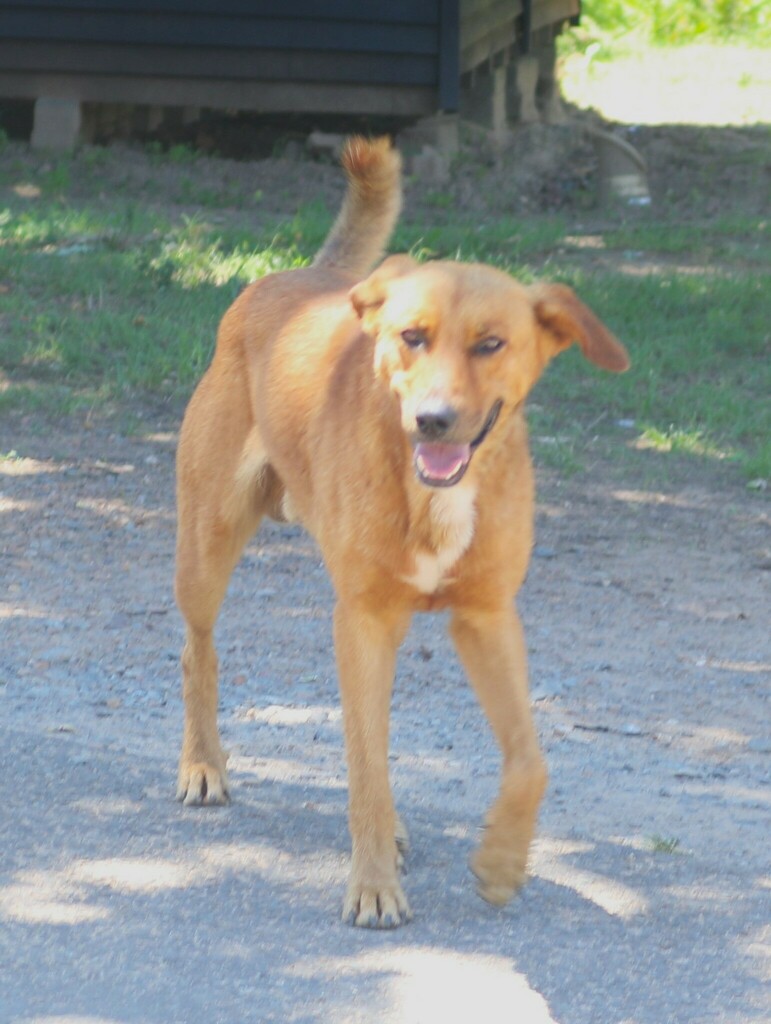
647,614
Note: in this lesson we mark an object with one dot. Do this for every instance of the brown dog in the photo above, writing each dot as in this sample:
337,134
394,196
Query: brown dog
387,415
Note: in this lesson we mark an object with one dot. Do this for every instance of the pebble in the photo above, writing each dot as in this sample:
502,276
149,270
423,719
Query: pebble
760,745
540,551
55,654
554,687
631,729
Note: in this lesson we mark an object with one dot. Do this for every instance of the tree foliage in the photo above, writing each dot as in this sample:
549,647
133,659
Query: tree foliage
677,22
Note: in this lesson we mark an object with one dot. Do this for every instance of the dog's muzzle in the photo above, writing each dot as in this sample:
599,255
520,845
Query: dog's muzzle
438,464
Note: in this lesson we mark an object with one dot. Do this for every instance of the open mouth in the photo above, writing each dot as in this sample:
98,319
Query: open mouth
444,465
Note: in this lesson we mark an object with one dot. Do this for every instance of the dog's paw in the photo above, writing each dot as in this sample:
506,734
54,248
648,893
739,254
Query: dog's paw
500,863
383,907
500,869
202,784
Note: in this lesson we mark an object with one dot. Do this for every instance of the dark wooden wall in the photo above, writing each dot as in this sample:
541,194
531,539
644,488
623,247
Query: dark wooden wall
258,54
342,56
491,28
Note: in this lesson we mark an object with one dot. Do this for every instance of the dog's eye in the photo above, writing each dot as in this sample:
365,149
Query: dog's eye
488,346
413,337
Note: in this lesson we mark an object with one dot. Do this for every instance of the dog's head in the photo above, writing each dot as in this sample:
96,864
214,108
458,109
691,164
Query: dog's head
461,345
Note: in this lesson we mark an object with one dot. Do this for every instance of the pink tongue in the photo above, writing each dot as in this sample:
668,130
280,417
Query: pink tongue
441,461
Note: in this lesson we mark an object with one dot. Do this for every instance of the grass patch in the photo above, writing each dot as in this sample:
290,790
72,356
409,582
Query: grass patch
700,375
504,243
109,297
741,240
117,301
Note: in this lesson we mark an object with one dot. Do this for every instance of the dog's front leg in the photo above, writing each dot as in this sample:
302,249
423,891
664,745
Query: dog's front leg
492,648
202,777
366,644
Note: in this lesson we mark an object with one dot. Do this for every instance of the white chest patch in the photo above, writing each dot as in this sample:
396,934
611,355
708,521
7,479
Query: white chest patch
452,513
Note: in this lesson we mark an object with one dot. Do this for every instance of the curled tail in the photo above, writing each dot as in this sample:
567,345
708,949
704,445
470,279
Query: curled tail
371,206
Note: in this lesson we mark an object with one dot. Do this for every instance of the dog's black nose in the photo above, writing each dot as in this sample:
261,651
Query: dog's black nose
435,419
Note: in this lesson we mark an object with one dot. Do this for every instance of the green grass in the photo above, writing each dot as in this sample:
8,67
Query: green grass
113,303
110,299
742,240
700,374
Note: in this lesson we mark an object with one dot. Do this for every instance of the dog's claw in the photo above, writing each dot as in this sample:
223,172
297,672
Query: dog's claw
202,785
402,845
386,908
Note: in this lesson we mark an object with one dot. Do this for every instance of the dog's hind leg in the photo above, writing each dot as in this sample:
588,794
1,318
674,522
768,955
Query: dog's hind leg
222,491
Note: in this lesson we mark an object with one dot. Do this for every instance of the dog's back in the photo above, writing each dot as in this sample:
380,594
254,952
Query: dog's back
354,244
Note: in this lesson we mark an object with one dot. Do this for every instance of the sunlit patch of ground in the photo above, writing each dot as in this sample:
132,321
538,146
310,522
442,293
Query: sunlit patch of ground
699,84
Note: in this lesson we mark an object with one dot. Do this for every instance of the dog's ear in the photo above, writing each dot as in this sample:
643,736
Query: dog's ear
368,295
563,319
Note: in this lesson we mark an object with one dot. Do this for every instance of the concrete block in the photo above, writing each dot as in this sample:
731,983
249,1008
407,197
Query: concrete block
548,97
439,132
522,85
329,144
155,116
432,166
56,123
485,100
89,123
551,107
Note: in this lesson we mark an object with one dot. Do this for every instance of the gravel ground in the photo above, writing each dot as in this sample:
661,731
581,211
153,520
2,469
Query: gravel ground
647,615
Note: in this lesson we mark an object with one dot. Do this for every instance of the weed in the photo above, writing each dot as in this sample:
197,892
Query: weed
182,154
57,181
558,453
676,440
662,844
440,200
757,464
94,157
